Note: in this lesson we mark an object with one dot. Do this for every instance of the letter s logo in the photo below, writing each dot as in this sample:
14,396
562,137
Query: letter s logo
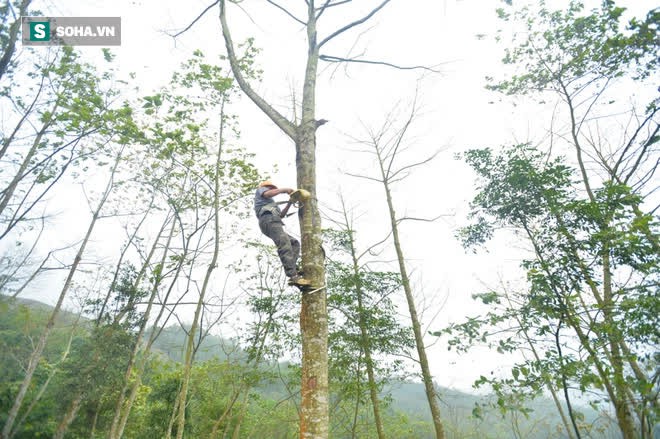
40,31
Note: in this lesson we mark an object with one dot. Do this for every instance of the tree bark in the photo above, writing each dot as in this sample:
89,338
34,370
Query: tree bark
314,416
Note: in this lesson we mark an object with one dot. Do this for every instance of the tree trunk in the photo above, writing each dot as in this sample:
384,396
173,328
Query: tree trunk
427,378
92,433
314,416
365,338
621,406
170,423
313,314
69,416
225,414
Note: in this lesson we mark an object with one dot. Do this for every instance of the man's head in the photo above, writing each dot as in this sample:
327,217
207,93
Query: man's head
268,184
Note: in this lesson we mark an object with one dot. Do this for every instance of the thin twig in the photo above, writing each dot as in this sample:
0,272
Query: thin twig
338,59
283,9
187,28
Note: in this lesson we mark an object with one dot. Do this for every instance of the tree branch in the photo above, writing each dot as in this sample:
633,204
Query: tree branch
371,247
287,12
413,165
187,28
337,59
283,123
353,24
400,136
365,177
426,220
328,5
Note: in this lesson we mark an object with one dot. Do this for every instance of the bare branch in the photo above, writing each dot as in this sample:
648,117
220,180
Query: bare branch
283,123
400,136
353,24
650,140
369,250
426,220
328,5
413,165
287,12
187,28
338,59
365,177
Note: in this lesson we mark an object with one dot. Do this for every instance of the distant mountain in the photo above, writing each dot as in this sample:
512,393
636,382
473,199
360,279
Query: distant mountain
38,308
408,398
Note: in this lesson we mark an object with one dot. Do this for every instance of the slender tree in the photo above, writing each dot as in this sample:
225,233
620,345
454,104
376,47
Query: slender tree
386,145
213,263
364,305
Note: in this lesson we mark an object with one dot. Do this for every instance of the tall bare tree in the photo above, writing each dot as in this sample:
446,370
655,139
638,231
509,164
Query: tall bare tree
386,144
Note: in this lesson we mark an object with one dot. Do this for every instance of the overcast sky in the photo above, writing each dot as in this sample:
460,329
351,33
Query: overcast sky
457,113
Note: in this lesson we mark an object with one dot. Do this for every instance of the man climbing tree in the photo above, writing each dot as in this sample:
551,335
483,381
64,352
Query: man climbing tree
270,222
301,129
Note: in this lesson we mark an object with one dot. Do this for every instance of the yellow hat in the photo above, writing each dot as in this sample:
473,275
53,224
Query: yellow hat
267,183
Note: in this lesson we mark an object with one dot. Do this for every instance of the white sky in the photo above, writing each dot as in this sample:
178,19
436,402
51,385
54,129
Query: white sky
458,113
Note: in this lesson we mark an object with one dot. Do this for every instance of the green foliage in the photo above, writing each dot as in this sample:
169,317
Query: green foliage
20,323
594,250
364,324
570,235
181,140
271,407
119,306
570,47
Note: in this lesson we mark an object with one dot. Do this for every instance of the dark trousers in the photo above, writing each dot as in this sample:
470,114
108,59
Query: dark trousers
288,247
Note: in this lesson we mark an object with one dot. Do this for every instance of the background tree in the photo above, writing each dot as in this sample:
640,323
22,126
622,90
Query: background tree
594,243
41,343
386,145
